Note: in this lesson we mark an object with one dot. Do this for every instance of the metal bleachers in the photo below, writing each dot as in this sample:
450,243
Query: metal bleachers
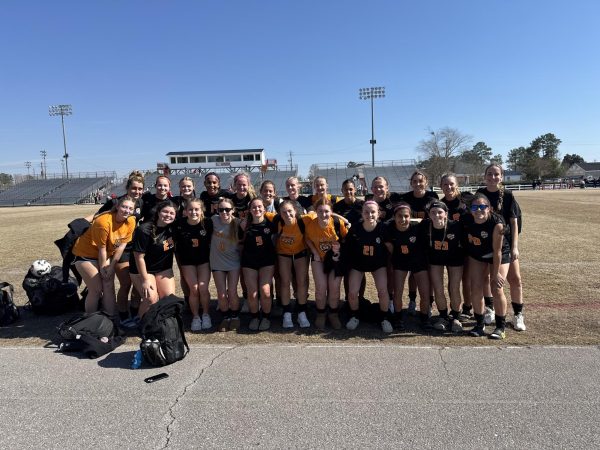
29,191
398,176
278,177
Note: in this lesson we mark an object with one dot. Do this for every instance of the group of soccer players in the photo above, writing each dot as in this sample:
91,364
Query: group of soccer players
267,244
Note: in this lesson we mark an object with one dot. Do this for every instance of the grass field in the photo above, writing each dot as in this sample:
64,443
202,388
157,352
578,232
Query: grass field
560,259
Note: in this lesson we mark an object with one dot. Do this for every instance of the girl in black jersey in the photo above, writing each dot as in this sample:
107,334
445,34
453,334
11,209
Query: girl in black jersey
301,202
384,198
445,250
406,243
186,192
366,252
258,263
243,194
349,207
163,190
504,203
135,189
489,255
457,204
151,264
418,199
192,247
210,197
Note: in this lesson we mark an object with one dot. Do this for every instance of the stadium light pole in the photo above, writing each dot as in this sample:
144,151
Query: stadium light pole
28,165
62,111
369,94
44,169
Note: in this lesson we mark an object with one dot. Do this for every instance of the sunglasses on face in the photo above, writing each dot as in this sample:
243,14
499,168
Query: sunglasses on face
479,207
224,210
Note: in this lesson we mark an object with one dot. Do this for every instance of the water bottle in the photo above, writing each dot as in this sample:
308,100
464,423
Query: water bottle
137,360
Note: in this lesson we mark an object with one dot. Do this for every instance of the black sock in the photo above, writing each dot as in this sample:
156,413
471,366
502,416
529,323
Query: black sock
233,313
354,313
333,310
424,317
489,302
431,299
397,316
500,321
412,296
517,308
466,309
124,315
266,315
133,310
454,314
287,308
479,320
321,310
443,313
255,315
301,307
226,314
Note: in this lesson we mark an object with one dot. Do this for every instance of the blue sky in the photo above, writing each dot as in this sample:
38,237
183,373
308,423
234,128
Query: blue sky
149,77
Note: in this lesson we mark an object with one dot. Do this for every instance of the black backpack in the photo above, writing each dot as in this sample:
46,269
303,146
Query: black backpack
49,294
92,334
163,337
8,310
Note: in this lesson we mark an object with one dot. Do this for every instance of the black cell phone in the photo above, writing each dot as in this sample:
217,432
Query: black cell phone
154,378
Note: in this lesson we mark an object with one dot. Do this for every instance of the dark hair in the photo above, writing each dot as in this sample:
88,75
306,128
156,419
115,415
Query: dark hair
436,204
120,201
212,174
136,175
155,213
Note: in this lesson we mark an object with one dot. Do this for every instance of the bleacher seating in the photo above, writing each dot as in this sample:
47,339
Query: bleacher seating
278,177
57,191
398,176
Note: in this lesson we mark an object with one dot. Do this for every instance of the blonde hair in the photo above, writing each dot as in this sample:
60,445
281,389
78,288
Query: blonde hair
456,190
134,176
232,231
251,191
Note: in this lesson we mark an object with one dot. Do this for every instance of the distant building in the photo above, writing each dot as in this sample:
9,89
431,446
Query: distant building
586,170
512,176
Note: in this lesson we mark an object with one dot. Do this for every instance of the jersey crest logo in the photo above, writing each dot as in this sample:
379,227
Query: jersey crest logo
378,240
484,234
202,232
267,231
450,236
412,239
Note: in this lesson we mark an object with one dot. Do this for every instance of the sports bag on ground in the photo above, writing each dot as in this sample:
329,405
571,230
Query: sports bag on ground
92,334
163,337
49,294
8,310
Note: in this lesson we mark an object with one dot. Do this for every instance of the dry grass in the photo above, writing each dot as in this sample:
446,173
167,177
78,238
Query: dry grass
559,260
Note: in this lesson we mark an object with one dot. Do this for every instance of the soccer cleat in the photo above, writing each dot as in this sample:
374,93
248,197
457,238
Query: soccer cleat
352,324
465,315
489,315
264,325
303,320
477,331
206,322
224,325
386,326
196,324
287,320
519,322
412,307
234,324
498,333
253,326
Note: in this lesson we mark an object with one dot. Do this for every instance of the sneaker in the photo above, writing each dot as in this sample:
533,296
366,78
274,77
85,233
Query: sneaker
303,320
320,321
430,310
456,326
234,324
334,321
465,315
196,323
489,315
206,322
264,325
386,326
412,307
287,320
477,331
352,324
391,308
253,325
224,325
519,322
498,333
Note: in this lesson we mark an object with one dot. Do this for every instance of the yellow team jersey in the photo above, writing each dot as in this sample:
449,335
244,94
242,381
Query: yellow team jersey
104,232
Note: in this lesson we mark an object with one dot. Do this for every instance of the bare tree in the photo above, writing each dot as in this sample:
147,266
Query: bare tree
440,149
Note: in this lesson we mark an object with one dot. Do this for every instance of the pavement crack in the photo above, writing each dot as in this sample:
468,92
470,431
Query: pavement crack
171,411
444,363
